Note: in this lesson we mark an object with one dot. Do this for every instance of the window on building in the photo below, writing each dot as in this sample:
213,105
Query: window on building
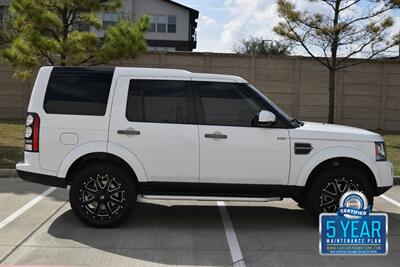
83,27
172,24
161,48
152,26
110,19
161,23
3,17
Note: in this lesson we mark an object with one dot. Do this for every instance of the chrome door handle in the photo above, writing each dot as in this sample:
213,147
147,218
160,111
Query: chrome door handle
128,132
216,136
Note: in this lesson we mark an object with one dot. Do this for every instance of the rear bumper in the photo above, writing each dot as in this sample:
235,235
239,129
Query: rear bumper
42,179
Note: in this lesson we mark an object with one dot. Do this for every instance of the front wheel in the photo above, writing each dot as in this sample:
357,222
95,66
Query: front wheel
102,195
329,186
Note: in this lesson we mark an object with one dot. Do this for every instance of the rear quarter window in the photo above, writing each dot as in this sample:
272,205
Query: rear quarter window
78,91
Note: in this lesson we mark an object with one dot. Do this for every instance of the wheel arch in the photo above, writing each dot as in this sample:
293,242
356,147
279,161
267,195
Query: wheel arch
102,151
338,157
342,162
95,157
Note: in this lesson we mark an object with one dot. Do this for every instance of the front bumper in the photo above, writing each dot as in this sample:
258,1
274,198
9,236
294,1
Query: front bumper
42,179
385,172
385,179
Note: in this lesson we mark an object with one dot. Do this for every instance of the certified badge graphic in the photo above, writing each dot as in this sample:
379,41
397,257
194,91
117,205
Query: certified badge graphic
353,230
353,205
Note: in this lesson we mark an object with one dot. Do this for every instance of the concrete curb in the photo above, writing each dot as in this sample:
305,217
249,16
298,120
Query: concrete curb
8,173
11,173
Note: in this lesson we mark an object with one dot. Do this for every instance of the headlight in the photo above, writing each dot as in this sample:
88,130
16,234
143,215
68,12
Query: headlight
380,151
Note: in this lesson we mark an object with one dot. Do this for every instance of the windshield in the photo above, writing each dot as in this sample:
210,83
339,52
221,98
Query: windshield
277,108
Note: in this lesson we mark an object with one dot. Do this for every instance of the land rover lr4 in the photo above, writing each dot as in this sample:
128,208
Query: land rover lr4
115,133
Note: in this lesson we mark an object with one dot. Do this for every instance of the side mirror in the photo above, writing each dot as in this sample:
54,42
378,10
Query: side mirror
266,117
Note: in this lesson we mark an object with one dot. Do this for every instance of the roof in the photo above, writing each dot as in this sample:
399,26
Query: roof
5,2
175,74
194,11
155,73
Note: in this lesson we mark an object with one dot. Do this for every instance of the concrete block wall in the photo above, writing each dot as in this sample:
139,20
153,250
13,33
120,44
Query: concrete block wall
367,95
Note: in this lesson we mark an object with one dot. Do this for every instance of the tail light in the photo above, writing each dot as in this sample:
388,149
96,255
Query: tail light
32,127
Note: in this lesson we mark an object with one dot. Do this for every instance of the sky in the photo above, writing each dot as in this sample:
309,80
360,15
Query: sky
222,23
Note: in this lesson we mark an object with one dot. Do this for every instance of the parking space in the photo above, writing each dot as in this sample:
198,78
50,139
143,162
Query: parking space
280,234
161,233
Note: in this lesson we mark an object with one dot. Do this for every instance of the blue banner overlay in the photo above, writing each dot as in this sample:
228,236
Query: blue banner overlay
366,235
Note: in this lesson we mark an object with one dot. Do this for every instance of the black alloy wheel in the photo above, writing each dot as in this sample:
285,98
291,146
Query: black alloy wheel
102,195
324,193
333,191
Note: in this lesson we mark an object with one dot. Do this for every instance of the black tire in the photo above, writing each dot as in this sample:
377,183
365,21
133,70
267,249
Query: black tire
323,196
300,201
102,195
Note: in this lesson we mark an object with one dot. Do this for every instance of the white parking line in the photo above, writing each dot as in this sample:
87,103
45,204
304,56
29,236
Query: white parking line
388,199
27,206
236,253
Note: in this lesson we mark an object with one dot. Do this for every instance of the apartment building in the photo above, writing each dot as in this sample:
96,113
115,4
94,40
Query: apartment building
173,25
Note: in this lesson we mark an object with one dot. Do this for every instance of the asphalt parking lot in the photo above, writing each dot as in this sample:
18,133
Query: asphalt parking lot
178,233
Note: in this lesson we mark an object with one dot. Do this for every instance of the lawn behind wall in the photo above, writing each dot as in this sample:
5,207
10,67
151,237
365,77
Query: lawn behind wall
392,140
12,145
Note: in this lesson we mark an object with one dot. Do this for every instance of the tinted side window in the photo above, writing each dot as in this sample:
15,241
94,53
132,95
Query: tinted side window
159,101
227,104
78,91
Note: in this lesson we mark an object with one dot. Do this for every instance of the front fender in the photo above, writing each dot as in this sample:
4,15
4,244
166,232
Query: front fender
335,152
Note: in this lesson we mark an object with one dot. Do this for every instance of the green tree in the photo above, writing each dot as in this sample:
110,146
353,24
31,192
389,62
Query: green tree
339,34
50,32
259,46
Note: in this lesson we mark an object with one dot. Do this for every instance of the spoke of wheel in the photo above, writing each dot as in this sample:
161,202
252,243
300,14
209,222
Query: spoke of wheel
327,210
115,191
108,209
332,195
98,183
346,187
336,186
96,209
88,201
353,187
328,203
108,184
116,201
91,189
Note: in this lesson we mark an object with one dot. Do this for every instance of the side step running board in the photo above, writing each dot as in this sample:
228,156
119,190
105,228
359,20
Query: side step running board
211,198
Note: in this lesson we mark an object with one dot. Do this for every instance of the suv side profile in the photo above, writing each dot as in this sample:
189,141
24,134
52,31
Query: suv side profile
115,133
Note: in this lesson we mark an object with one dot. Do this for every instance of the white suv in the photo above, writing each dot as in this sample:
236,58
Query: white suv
116,133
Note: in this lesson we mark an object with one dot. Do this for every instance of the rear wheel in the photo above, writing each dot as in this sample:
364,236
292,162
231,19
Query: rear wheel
102,195
329,186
